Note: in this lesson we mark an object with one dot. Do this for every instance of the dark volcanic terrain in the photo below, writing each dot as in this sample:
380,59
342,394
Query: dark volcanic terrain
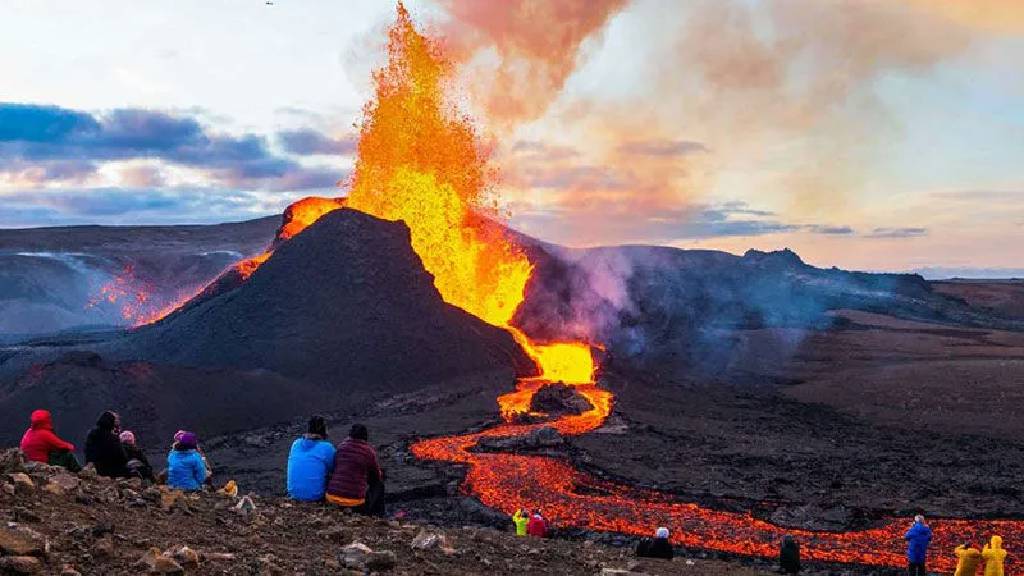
53,278
813,397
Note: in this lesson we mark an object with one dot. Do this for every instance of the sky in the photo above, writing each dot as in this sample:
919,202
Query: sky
874,135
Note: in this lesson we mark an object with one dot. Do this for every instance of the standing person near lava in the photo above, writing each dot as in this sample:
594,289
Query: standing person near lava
789,555
103,447
186,469
519,520
537,527
357,481
658,547
918,537
41,444
994,556
967,560
310,462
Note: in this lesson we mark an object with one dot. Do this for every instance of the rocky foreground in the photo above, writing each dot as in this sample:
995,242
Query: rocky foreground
54,522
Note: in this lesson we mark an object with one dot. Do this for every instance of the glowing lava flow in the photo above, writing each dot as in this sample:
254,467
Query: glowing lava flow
572,498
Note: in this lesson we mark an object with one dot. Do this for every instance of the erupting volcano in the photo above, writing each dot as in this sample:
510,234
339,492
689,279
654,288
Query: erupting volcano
420,161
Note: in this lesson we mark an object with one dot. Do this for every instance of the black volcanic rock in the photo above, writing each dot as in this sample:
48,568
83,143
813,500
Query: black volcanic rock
558,399
346,304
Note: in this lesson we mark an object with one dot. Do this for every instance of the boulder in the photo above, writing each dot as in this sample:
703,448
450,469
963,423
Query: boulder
20,565
21,542
355,555
540,438
559,399
381,561
22,483
11,460
428,539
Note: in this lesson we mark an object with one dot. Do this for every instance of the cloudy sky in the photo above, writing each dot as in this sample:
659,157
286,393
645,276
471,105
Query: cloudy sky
880,135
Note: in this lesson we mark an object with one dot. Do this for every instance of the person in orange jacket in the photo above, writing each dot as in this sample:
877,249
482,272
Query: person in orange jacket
967,560
994,556
41,444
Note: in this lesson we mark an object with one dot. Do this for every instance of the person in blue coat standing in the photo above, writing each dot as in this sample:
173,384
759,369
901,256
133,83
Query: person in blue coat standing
918,538
310,462
185,467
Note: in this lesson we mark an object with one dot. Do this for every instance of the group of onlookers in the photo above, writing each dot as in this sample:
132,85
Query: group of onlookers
918,538
349,475
115,452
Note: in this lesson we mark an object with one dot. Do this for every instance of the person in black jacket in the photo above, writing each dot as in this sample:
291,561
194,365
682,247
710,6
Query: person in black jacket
659,547
103,447
789,555
138,464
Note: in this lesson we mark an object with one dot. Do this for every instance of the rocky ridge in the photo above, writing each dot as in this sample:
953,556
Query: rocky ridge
55,522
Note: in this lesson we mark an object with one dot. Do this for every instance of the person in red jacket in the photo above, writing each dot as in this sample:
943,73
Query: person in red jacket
538,527
357,481
41,444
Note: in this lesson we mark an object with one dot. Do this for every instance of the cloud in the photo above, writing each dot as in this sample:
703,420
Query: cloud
1011,196
829,230
518,54
898,232
663,148
68,144
309,142
113,205
621,224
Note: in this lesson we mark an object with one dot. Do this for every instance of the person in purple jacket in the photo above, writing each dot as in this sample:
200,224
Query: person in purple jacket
357,481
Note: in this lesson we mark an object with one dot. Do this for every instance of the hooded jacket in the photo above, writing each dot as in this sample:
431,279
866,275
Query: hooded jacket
185,469
994,556
39,440
537,527
917,539
355,466
519,519
789,555
967,561
309,466
103,447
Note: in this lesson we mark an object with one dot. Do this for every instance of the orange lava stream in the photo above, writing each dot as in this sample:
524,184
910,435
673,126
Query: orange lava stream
572,498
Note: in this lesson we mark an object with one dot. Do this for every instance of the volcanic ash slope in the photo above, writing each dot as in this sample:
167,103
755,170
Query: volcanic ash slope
346,304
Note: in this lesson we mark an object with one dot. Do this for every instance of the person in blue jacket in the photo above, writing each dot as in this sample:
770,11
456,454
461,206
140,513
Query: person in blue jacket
185,467
917,539
310,462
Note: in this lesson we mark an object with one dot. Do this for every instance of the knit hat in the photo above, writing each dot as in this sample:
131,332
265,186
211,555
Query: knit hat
178,435
187,440
127,437
661,533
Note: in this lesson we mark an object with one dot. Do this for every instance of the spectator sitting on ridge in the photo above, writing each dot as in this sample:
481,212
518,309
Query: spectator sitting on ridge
41,444
185,467
103,447
310,462
357,481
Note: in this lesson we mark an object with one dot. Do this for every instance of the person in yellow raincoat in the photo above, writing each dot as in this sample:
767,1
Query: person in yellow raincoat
967,560
520,518
994,556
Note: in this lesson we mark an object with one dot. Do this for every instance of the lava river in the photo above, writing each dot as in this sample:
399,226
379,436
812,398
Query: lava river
569,497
